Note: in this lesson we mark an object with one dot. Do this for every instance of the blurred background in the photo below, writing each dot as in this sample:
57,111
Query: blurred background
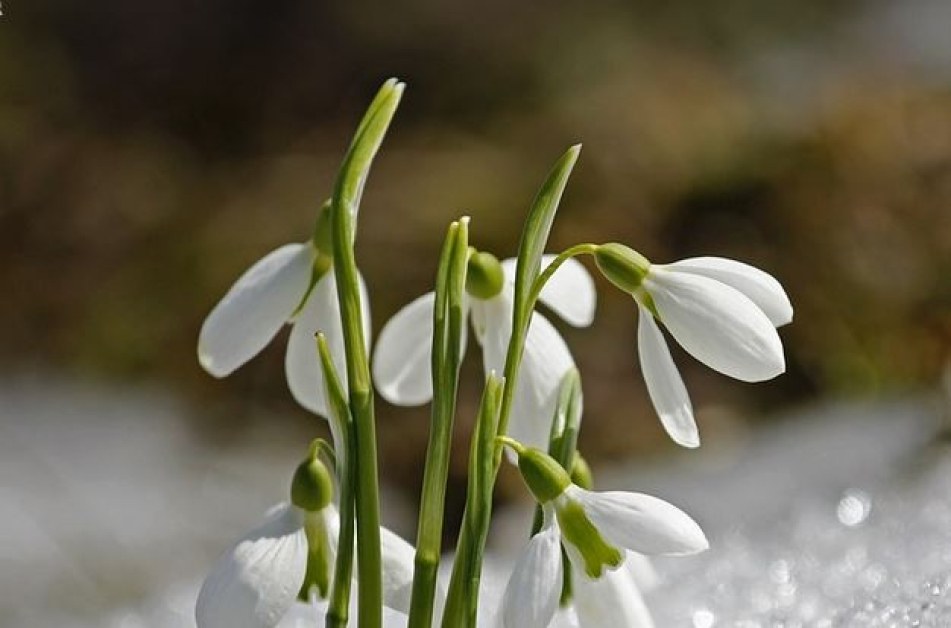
150,152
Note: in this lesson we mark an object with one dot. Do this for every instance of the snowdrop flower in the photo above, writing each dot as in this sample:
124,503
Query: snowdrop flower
292,284
402,368
722,312
595,528
258,581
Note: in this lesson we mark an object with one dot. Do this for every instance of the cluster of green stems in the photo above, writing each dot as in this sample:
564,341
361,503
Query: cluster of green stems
353,420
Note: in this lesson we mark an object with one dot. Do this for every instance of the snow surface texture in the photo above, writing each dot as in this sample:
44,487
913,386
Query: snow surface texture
836,516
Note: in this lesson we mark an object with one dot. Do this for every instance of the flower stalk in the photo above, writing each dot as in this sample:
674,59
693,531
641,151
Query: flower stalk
448,321
345,202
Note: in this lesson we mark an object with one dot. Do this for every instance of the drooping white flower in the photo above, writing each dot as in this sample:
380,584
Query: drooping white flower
605,592
402,359
598,530
256,583
292,284
722,312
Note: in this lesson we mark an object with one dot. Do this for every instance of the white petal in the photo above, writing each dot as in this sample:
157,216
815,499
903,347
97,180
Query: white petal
254,309
255,583
640,522
301,615
666,388
717,325
321,313
569,292
611,600
398,566
531,597
642,570
402,367
545,362
759,287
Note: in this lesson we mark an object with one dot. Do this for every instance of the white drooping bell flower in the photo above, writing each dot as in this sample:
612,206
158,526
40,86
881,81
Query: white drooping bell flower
402,367
293,284
597,530
722,312
259,581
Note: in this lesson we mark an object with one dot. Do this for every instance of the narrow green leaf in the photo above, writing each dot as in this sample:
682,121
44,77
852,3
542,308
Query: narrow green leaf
344,206
463,598
538,227
446,356
341,425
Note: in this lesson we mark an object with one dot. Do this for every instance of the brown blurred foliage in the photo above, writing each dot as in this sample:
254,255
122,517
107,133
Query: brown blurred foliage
149,152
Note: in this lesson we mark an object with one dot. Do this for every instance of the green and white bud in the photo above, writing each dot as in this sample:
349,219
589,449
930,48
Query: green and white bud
484,276
545,478
622,266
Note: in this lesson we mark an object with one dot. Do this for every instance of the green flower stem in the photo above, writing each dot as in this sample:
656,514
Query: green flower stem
348,189
462,601
446,356
564,256
339,606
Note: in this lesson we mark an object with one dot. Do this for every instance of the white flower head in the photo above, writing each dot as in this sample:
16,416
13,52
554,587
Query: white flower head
293,284
257,582
722,312
599,531
402,367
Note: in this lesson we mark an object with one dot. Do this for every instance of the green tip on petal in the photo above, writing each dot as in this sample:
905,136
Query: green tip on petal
484,276
622,266
577,529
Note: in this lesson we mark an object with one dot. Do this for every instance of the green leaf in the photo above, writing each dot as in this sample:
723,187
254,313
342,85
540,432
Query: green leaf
446,356
537,229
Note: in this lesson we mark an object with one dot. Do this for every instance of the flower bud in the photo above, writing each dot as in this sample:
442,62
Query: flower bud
622,266
546,479
322,239
581,473
484,276
312,486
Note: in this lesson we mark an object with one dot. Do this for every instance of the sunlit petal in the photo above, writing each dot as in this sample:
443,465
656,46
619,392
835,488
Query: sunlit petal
664,384
611,600
255,583
302,364
759,287
531,597
569,292
398,565
640,522
402,368
717,325
254,309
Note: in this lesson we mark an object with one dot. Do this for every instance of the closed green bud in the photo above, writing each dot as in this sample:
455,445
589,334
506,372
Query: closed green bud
312,485
484,276
322,239
546,479
622,266
581,473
